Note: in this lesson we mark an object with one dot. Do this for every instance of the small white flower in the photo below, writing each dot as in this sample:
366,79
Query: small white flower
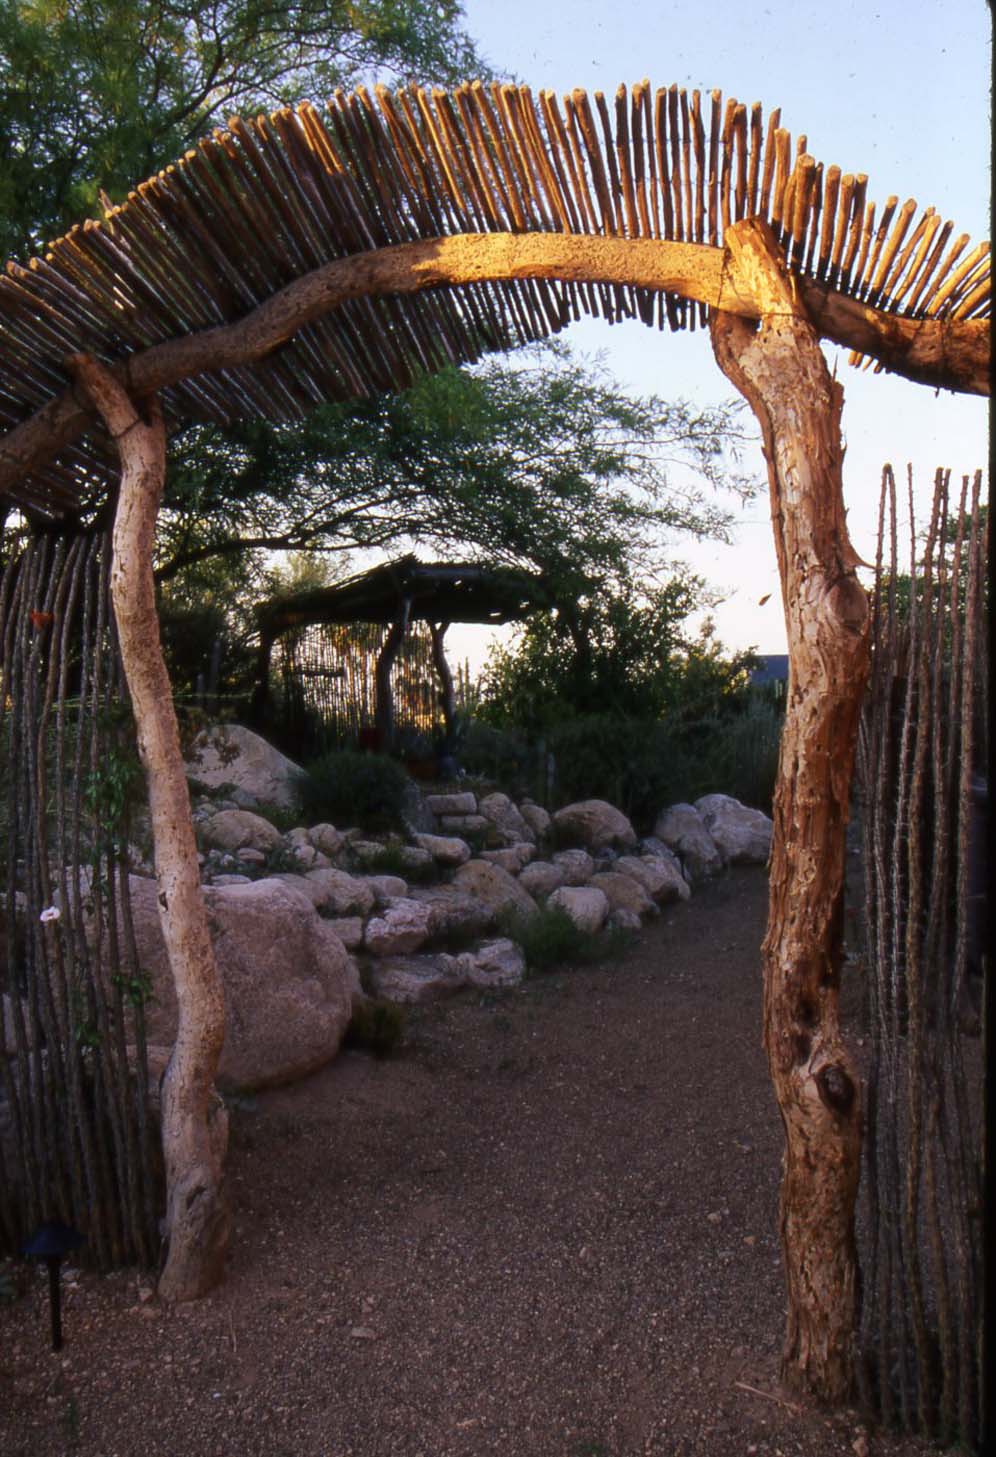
51,913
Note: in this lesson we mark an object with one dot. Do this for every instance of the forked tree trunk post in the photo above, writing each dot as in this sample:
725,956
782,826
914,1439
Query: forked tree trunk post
194,1136
779,368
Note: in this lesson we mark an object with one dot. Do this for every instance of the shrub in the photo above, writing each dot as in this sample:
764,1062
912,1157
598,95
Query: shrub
635,764
642,765
550,938
350,788
500,756
376,1026
281,860
740,754
390,859
281,817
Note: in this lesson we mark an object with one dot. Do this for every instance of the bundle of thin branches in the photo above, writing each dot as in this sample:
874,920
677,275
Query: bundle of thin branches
923,840
75,1136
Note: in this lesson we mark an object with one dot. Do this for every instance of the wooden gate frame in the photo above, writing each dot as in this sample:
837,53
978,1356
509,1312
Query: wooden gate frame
766,318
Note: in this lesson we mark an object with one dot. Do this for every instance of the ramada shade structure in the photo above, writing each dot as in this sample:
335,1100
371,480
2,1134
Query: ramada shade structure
241,247
398,593
418,591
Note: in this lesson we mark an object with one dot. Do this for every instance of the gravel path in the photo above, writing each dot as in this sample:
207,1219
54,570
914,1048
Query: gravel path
548,1229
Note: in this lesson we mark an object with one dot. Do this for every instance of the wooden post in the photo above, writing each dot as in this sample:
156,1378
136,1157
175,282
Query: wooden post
383,696
447,691
779,368
194,1135
261,689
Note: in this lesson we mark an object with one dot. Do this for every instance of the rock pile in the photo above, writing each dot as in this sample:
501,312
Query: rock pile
308,922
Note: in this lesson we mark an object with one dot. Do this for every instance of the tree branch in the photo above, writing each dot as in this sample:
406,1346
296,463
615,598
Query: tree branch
951,354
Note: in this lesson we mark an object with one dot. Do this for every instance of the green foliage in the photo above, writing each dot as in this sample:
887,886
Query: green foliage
115,785
633,763
279,816
377,1026
642,765
634,709
111,788
281,860
98,94
739,752
203,626
136,989
551,466
549,938
548,464
616,649
499,756
84,1023
350,788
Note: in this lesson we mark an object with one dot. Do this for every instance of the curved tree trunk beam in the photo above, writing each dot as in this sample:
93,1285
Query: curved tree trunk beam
197,1219
780,370
949,354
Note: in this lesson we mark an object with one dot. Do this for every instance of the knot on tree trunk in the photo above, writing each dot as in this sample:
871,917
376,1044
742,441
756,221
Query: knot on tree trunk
836,1089
846,605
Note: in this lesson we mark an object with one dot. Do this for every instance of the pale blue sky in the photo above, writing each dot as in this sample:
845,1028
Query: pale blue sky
899,90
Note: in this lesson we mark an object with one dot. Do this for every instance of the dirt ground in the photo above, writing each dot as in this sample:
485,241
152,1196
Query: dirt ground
547,1229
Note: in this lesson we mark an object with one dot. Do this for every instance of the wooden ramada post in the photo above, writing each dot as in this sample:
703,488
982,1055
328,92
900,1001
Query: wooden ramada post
197,1217
779,368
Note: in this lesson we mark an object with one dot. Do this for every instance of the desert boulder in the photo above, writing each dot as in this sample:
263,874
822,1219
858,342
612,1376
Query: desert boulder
684,831
594,824
289,983
743,835
231,755
587,906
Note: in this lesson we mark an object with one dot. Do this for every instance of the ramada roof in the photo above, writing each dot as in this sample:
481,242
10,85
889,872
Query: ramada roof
423,591
243,237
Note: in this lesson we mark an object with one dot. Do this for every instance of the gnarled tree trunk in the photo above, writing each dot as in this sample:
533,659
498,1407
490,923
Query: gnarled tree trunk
779,368
447,692
383,696
194,1133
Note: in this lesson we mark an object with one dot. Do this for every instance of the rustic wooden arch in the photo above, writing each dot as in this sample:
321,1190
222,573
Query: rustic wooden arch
295,258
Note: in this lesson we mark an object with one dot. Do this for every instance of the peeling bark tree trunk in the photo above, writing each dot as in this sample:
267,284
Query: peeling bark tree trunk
780,370
197,1219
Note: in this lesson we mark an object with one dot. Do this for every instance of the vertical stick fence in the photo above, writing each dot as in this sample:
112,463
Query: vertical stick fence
923,791
76,1135
324,689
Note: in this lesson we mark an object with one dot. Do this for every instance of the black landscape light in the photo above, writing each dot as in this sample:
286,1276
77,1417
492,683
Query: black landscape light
51,1242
